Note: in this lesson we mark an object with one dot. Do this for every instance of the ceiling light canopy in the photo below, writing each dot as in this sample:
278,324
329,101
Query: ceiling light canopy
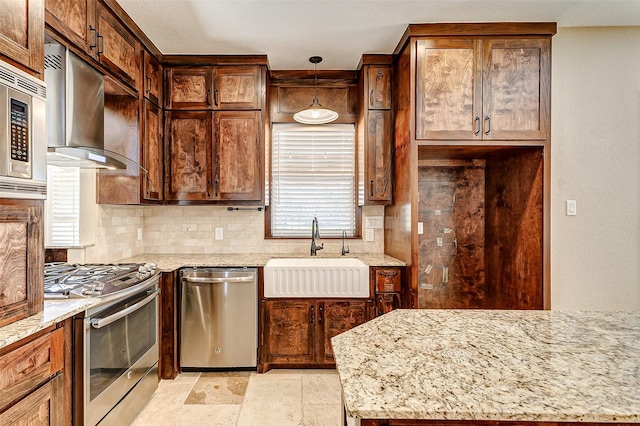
315,113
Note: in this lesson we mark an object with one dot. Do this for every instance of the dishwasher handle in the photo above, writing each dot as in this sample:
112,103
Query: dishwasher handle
215,280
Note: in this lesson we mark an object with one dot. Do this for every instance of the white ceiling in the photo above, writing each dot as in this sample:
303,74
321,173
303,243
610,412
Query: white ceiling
290,31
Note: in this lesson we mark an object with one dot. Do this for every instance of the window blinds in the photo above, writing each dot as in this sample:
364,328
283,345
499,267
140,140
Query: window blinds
63,206
313,174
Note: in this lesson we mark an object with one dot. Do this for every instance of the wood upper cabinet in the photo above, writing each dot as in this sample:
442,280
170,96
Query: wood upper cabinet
152,79
188,156
188,88
477,89
21,260
214,88
74,20
238,156
237,87
379,85
117,48
22,33
152,152
299,331
376,138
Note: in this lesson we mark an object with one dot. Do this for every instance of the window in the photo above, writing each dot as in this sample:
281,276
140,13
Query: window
313,174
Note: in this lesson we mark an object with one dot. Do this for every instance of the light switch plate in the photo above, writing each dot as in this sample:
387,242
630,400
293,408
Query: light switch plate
370,235
219,234
572,208
374,222
420,228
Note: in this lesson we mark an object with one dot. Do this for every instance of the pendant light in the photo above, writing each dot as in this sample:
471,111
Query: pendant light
315,113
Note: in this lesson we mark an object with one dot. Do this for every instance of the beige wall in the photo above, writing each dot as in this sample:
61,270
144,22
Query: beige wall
595,159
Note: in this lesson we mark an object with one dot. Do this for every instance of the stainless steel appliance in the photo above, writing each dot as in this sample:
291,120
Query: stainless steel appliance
23,148
116,342
219,318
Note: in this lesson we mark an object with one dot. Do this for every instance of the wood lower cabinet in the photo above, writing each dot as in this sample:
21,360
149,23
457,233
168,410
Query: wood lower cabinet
387,284
22,34
482,89
298,332
32,385
21,260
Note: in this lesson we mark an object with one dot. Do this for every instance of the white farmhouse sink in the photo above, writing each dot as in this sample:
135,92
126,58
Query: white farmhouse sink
316,277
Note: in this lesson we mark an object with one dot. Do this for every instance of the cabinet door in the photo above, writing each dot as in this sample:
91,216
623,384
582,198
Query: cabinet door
152,79
448,89
335,317
188,88
238,147
289,331
117,48
152,157
379,81
378,158
189,173
22,32
21,259
74,20
237,87
516,89
387,302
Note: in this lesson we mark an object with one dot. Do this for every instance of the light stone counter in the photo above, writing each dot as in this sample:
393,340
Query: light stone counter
171,262
54,312
492,365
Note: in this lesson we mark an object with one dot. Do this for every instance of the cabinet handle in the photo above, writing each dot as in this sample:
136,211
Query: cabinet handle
95,37
208,186
388,274
148,85
371,97
371,185
312,314
487,120
215,97
150,184
215,187
320,312
208,97
101,44
477,120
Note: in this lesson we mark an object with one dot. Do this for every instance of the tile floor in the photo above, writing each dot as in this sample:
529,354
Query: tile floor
279,397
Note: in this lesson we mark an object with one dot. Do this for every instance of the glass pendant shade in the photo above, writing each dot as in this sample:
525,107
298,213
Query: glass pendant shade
315,113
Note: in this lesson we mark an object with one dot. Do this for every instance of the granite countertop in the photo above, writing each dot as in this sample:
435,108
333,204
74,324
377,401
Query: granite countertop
171,262
492,365
54,312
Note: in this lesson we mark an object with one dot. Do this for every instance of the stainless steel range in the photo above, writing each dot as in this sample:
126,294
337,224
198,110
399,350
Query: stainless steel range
116,342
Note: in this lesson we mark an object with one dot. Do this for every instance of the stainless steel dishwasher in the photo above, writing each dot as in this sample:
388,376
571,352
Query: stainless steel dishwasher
219,318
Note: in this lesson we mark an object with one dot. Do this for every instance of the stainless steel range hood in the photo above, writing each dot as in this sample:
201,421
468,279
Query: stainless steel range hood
75,113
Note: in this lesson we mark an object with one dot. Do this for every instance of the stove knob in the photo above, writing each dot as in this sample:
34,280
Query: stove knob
143,269
151,266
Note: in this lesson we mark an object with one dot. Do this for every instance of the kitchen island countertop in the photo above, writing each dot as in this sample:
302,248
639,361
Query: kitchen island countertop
492,365
171,262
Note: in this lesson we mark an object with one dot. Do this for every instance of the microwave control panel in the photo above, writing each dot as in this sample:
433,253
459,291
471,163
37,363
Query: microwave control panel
19,131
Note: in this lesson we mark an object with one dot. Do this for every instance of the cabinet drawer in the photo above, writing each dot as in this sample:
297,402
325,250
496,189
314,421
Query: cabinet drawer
387,280
27,366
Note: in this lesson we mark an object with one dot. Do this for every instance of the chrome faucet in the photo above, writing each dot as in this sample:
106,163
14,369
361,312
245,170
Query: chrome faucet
344,235
315,234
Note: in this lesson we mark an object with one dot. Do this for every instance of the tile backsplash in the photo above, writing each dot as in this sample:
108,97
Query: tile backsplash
191,229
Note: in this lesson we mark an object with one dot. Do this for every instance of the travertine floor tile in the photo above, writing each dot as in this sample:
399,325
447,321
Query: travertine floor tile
218,389
321,389
272,401
321,414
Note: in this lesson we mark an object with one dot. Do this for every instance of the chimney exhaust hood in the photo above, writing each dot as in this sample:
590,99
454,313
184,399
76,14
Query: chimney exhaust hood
75,113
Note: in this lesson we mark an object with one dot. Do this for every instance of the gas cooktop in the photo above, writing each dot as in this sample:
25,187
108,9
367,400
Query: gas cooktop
64,280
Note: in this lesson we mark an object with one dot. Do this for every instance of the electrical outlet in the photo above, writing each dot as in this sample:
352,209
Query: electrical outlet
370,235
139,234
219,234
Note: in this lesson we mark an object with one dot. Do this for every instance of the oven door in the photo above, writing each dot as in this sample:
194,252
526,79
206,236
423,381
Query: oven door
121,346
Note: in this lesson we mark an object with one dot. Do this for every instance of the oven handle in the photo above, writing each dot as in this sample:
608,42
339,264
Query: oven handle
202,280
101,322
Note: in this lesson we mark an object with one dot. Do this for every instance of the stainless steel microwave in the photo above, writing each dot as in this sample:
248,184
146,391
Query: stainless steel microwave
23,145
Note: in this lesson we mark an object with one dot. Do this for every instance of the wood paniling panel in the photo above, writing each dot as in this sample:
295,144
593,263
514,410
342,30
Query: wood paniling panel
22,33
514,212
119,46
152,150
72,19
337,317
239,172
516,88
168,363
448,89
189,156
290,331
122,137
451,209
13,274
379,83
286,100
